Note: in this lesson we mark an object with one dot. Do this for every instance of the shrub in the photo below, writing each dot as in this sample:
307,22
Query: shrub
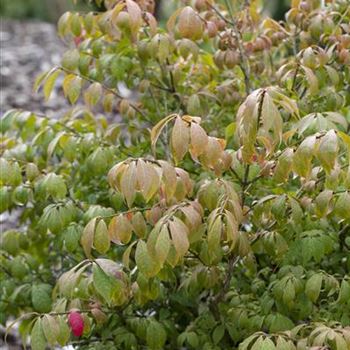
212,212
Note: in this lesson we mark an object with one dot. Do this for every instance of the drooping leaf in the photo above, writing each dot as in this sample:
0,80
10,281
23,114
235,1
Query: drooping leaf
87,237
180,138
128,184
179,236
38,341
51,328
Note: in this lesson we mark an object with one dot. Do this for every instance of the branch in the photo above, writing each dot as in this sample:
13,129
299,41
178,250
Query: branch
112,91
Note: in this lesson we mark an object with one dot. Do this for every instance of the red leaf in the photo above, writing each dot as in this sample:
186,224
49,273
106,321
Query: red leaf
76,323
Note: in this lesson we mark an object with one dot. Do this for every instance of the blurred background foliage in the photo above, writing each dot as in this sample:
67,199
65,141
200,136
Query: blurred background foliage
51,10
46,10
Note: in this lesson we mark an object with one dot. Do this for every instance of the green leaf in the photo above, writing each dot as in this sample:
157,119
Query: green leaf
70,59
41,299
218,333
303,156
268,344
162,245
38,341
101,238
313,287
342,205
284,165
322,202
51,328
344,293
102,283
75,24
64,331
144,262
156,335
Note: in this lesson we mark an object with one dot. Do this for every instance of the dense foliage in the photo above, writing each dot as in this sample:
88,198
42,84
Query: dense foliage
213,210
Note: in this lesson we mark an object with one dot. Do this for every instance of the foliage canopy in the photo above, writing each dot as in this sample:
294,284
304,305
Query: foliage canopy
213,212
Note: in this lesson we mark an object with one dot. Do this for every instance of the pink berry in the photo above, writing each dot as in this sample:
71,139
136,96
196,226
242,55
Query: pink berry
76,323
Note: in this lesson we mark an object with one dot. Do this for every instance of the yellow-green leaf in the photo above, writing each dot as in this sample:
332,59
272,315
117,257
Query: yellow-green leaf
51,328
72,87
101,238
87,237
38,341
50,83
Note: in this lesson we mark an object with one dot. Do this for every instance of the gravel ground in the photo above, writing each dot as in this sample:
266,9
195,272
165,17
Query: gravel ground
26,50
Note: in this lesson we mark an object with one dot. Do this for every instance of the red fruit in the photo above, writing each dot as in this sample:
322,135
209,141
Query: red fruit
76,323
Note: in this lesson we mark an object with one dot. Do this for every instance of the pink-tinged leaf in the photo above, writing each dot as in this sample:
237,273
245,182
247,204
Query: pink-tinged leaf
139,225
185,179
87,237
148,179
135,16
169,178
152,22
180,139
76,323
199,139
120,230
128,184
212,153
190,25
115,174
193,217
179,235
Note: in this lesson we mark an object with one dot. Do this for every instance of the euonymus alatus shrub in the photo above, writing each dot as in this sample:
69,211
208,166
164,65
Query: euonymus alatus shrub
214,211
